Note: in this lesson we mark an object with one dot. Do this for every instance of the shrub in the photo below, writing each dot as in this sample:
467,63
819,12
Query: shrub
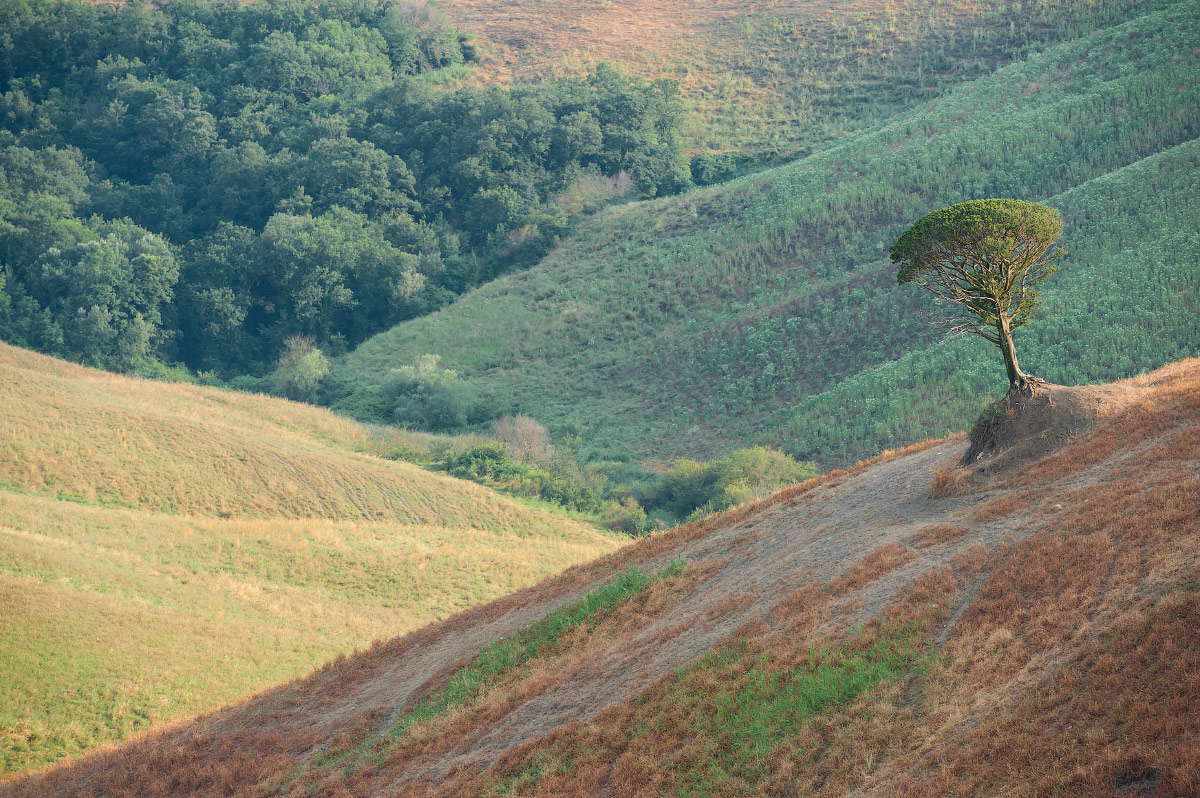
491,464
627,516
692,489
300,369
426,395
525,439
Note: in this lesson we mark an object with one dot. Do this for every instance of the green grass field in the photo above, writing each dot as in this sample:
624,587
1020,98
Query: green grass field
167,549
751,311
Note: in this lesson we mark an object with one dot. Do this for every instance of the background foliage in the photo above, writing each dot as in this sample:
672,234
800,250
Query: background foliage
765,310
199,182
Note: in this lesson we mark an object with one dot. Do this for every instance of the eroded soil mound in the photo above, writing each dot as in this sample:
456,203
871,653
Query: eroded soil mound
1025,426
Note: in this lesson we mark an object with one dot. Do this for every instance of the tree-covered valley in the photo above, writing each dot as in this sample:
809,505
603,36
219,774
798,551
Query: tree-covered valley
195,184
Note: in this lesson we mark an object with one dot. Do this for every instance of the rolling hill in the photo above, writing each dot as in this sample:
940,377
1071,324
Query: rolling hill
166,549
787,75
764,310
1020,625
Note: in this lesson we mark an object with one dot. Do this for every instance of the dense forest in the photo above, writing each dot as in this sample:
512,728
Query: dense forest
218,186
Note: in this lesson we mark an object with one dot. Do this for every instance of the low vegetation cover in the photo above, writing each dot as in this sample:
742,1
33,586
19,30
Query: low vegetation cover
777,78
249,194
1037,641
729,718
504,655
167,549
766,310
494,662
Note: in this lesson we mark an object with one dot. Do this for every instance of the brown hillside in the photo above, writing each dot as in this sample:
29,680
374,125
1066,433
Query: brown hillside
1052,607
788,73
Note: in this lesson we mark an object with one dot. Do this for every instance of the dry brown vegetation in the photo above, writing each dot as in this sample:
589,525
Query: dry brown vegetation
1039,638
879,562
935,534
759,74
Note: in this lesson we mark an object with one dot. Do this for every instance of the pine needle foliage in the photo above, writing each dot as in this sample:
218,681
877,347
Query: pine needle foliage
987,257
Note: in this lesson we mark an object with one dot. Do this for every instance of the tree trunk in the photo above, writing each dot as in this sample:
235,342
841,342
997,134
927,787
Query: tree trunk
1016,377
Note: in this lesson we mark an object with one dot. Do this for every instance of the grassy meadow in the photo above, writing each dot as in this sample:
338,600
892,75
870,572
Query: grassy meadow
167,549
761,310
785,76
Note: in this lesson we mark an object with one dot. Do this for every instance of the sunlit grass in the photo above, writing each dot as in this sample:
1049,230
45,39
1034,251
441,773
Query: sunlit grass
785,75
168,549
765,310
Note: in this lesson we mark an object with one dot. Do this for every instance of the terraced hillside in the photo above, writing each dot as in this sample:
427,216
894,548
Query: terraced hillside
765,310
1022,626
166,549
790,74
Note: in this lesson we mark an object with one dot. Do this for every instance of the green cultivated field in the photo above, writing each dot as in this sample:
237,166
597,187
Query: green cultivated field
764,310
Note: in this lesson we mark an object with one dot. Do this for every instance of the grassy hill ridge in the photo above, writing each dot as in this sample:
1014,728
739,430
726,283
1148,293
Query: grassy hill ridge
166,549
732,303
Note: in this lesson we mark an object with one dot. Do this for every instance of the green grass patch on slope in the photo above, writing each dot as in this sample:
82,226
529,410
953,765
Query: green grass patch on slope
721,720
489,666
741,727
502,656
709,315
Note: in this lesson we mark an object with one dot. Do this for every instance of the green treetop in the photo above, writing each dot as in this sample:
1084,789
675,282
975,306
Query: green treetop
987,257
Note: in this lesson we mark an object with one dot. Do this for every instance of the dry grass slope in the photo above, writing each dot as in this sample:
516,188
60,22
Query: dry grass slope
166,549
853,635
787,74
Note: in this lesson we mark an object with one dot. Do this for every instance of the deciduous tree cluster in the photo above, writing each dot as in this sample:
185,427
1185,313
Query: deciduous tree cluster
200,182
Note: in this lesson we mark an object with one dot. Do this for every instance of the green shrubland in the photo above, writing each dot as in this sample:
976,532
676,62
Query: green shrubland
516,457
761,310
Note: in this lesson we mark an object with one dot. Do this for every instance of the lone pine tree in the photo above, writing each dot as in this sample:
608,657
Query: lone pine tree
987,257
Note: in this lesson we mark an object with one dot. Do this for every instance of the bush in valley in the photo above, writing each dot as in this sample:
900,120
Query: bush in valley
300,370
491,464
691,489
519,459
524,438
428,396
